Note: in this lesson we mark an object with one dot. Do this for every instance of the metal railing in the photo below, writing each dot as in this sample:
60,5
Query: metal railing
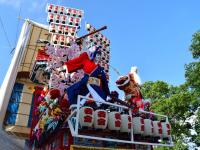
73,122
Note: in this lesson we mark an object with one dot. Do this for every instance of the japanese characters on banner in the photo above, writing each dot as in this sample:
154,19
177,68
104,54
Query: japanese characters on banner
99,40
64,24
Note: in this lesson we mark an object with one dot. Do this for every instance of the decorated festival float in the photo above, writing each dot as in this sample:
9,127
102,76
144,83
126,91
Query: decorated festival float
62,82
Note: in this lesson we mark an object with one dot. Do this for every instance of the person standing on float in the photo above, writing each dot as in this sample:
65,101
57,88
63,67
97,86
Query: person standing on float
94,80
135,99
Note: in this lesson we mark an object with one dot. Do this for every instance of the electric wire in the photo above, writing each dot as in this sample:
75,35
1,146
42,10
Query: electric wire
17,30
5,33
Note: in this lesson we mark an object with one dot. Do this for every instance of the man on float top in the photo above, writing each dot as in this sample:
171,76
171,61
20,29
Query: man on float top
94,80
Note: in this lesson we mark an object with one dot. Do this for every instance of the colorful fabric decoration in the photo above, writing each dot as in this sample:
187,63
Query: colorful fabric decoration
131,88
91,70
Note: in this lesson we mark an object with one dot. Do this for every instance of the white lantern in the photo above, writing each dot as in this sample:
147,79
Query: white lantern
148,127
157,128
50,8
126,123
100,119
62,10
66,30
138,125
166,128
62,40
114,120
86,116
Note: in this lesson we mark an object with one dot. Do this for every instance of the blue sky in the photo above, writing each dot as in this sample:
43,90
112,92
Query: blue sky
153,35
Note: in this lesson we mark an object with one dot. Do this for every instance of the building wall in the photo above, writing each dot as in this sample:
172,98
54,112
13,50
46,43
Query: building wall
17,90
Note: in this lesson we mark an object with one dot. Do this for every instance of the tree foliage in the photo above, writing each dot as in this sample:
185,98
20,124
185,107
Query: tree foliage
195,45
192,75
155,90
180,103
177,102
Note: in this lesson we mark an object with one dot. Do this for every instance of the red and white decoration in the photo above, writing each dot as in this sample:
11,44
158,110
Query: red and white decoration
166,129
65,21
148,130
86,116
157,126
100,119
126,123
99,40
138,125
114,120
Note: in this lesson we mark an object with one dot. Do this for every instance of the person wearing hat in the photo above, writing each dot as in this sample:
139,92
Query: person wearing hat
94,80
130,84
136,98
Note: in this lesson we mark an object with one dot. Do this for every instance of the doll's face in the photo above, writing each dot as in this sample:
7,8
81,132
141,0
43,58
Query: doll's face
97,58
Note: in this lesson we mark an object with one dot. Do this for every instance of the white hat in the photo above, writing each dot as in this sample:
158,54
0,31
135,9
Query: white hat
134,69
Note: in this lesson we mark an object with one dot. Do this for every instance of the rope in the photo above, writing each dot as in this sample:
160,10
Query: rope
5,33
115,70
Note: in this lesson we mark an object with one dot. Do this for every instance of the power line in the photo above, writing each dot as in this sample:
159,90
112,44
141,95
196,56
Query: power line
17,31
5,33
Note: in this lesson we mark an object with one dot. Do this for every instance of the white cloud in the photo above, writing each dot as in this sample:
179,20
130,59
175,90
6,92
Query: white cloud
14,3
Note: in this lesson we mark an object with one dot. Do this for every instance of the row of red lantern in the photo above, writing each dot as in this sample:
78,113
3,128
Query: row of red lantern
101,119
96,37
62,19
62,29
64,11
61,40
99,39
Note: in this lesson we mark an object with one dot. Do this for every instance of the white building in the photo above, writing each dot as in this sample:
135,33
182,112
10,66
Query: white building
17,90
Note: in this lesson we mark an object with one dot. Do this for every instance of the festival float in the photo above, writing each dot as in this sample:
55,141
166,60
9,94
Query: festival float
58,95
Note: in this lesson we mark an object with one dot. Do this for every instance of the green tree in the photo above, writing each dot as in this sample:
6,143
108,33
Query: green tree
195,45
155,90
177,102
196,138
192,75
